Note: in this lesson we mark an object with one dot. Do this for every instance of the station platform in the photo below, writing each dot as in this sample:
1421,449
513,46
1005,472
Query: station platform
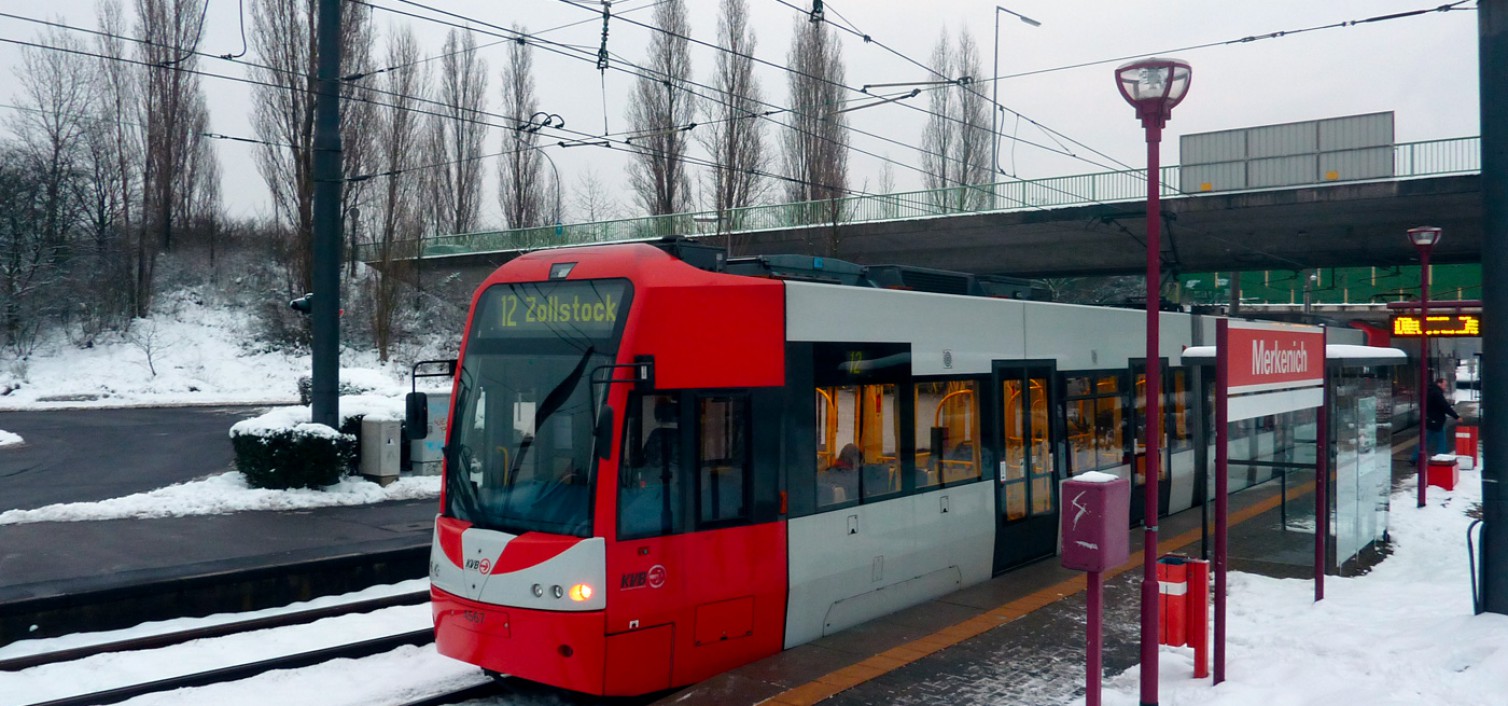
1018,638
61,577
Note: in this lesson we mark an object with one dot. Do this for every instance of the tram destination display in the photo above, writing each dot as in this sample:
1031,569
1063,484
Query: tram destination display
589,308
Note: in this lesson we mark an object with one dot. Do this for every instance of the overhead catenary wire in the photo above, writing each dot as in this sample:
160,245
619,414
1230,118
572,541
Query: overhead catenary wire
253,82
641,72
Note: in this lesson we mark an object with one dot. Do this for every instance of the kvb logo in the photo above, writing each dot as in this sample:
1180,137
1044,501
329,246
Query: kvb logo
482,566
656,576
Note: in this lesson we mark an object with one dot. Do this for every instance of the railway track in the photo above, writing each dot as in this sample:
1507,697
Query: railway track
354,650
152,642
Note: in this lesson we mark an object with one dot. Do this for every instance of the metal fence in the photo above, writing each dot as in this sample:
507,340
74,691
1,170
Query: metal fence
1410,159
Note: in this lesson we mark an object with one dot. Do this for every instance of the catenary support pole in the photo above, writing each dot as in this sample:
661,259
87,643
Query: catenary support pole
1492,53
1222,484
327,230
1322,480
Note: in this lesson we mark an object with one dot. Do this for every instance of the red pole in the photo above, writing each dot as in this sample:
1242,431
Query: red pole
1222,484
1095,639
1424,451
1322,482
1153,458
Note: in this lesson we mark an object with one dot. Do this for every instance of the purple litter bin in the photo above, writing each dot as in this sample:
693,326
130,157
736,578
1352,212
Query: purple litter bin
1095,521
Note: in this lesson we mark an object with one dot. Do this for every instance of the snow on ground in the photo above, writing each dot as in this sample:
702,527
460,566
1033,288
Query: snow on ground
226,492
1402,634
9,439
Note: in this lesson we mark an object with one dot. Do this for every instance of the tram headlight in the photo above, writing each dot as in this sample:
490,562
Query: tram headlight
539,591
581,592
558,591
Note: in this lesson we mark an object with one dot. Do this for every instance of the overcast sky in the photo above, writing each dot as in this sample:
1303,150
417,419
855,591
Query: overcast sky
1423,68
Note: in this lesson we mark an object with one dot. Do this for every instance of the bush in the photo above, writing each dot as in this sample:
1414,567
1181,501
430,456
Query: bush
352,382
303,456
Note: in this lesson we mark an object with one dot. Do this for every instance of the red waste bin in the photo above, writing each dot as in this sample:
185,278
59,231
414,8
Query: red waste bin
1184,614
1467,443
1443,474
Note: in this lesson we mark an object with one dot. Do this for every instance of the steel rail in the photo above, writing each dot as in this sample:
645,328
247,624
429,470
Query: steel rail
152,642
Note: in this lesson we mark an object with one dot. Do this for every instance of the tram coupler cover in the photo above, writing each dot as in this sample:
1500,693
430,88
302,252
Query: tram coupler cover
1183,615
1096,513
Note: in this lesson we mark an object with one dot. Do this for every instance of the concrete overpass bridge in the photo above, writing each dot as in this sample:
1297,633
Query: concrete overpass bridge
1083,225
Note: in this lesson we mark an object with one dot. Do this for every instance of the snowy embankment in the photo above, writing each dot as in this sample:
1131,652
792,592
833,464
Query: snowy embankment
196,354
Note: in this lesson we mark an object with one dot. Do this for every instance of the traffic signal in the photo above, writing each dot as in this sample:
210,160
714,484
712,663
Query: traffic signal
303,305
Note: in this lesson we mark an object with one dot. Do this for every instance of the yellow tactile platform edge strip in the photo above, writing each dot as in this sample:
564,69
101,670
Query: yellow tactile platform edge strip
894,658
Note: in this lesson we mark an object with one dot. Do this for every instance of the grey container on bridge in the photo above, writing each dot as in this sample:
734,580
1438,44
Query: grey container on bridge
1290,154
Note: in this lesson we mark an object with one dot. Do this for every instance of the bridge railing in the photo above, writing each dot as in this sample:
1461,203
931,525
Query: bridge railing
1410,159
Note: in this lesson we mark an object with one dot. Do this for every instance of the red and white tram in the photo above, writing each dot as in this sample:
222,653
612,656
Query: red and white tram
658,468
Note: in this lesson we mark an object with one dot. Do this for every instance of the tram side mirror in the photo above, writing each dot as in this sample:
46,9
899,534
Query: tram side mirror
416,415
604,434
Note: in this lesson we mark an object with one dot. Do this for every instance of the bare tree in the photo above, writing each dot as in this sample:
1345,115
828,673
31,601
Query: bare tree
46,215
283,37
116,156
397,220
456,136
659,111
815,145
28,262
56,98
593,202
525,204
174,113
734,134
942,129
956,143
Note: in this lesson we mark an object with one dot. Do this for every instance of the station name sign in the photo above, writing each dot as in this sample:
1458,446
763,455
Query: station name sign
1452,325
1269,358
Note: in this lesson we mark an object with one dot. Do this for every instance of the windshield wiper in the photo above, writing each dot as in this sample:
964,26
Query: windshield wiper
547,407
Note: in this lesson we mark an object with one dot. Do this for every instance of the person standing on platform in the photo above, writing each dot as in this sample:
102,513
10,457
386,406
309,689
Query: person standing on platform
1436,411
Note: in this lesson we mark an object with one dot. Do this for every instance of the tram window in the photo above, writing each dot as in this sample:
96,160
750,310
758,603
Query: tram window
947,432
1095,435
1180,433
858,429
1013,468
1140,431
650,476
1042,467
722,459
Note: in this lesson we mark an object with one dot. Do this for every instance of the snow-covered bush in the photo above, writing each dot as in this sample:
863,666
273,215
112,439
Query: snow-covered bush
282,449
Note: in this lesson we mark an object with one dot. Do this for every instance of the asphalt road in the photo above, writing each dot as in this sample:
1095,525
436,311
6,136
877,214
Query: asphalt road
87,455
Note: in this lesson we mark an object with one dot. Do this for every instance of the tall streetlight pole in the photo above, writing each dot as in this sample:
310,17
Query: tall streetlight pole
1153,87
995,91
1423,239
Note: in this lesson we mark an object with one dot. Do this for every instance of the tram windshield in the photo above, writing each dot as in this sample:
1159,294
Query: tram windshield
520,456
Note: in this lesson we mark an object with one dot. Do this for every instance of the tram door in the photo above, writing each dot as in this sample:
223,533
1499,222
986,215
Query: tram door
1027,482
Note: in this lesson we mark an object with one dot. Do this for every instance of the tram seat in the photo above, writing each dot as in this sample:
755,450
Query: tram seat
837,485
880,479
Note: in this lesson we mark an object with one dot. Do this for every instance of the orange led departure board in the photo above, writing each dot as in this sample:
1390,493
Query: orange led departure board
1452,325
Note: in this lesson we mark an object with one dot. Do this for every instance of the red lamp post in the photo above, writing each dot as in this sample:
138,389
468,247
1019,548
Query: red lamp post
1423,239
1152,87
